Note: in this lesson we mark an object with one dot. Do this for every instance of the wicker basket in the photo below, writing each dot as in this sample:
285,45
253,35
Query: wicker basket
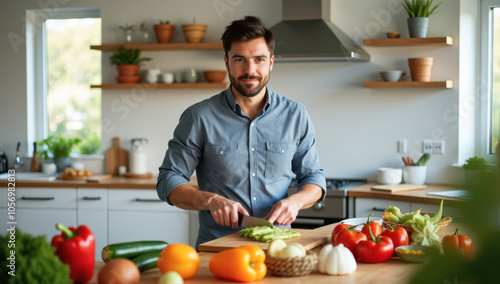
441,223
291,267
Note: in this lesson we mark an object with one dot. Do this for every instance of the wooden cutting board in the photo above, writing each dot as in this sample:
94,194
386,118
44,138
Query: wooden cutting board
308,238
98,178
116,157
399,187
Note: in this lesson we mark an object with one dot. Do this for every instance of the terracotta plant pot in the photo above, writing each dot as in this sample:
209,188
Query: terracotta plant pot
420,68
127,73
194,33
164,32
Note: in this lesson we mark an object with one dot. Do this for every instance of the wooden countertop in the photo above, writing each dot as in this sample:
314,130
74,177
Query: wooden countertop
113,182
392,271
418,196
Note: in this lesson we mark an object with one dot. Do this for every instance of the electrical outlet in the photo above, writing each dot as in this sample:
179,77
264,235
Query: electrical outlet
438,147
427,146
402,146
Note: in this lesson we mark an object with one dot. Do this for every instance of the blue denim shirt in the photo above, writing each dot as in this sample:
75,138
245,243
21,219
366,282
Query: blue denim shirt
251,162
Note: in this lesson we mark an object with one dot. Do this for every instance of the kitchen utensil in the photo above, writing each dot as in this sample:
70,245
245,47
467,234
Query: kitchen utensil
391,75
308,238
4,163
215,76
427,253
49,168
389,176
190,76
116,157
414,174
399,187
393,35
137,157
249,221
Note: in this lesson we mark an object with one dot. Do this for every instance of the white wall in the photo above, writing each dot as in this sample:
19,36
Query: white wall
357,129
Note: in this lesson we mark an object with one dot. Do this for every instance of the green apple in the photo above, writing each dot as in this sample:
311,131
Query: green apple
171,277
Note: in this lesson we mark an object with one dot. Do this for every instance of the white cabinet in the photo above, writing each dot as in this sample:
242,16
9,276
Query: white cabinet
135,215
38,210
363,207
92,212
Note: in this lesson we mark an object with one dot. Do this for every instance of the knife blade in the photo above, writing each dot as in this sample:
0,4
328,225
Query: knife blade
249,221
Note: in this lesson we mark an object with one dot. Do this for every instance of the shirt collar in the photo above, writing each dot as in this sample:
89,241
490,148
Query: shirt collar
237,108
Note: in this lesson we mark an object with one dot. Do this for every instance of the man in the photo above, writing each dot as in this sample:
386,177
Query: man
244,143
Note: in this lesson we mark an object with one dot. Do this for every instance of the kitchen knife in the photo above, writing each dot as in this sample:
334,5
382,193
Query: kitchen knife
249,221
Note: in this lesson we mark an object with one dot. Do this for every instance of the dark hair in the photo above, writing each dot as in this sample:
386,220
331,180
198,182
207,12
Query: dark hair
246,29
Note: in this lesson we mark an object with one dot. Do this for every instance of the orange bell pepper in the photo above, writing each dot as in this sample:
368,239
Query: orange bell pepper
243,264
457,245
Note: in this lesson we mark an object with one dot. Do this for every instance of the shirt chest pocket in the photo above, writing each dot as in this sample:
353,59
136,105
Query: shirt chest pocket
279,160
223,162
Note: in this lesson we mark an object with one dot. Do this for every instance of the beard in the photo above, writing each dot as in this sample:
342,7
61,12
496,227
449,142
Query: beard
248,90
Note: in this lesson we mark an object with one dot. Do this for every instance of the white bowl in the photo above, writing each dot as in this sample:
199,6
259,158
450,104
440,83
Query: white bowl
361,221
389,176
391,75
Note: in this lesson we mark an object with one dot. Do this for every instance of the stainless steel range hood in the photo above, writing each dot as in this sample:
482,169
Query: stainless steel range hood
307,34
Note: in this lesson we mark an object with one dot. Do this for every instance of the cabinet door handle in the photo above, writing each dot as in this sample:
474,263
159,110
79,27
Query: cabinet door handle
91,198
147,200
378,209
37,198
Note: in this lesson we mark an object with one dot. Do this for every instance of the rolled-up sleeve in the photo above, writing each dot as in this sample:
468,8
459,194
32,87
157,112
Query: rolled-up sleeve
181,158
305,163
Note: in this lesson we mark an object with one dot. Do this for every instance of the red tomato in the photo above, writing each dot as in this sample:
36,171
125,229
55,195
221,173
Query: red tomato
399,236
337,230
375,250
374,227
349,238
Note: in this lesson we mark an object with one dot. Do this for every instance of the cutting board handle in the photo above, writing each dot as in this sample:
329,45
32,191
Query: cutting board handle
116,142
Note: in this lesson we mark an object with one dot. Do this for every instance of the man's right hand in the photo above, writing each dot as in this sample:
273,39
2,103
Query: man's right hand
225,211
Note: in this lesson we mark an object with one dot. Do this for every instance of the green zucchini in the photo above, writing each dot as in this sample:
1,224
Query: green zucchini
147,261
423,160
131,249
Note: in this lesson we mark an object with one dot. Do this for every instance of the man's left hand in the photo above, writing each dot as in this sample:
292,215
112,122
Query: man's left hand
284,212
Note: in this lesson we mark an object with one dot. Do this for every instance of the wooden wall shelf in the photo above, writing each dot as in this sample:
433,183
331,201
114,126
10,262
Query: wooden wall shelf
147,86
428,41
448,84
160,46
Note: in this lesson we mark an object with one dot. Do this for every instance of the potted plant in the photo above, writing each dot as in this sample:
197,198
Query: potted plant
60,148
476,170
164,31
127,63
420,68
418,13
194,33
127,32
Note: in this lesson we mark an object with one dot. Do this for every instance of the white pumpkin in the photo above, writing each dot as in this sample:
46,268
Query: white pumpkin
336,260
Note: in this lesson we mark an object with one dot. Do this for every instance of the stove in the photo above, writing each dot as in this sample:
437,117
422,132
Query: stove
334,208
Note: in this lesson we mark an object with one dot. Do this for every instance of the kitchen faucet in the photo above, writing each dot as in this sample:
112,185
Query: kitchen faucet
19,163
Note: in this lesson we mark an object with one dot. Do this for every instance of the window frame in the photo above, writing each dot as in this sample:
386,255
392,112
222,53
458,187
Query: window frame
36,65
486,79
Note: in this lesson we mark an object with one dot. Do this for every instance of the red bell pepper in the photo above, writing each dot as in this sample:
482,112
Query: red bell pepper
76,247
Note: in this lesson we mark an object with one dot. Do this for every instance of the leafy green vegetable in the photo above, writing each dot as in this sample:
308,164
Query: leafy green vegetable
34,260
424,233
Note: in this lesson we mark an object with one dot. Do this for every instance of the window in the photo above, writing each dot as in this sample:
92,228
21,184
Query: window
489,78
64,67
